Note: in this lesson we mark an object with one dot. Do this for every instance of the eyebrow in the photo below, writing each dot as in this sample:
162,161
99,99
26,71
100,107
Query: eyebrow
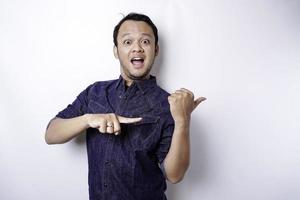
146,34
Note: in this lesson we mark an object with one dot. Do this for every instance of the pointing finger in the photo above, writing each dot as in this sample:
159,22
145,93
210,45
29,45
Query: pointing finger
126,120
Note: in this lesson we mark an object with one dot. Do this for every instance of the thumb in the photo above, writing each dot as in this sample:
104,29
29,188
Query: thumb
198,101
126,120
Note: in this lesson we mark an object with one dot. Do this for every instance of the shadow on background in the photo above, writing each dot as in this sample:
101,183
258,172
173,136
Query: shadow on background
159,61
196,175
81,139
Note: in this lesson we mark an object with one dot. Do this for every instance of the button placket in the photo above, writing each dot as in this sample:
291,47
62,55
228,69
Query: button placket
107,163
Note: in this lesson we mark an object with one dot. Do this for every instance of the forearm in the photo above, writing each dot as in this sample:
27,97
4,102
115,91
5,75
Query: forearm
178,158
62,130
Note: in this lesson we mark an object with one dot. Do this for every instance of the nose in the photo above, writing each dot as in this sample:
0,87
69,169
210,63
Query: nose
137,48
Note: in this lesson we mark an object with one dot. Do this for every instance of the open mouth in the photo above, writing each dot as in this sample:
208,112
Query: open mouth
137,61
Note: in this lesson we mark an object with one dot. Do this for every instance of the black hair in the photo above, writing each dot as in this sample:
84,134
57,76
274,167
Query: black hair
135,17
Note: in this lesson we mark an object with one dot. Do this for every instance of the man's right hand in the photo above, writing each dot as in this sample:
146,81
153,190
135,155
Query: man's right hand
109,123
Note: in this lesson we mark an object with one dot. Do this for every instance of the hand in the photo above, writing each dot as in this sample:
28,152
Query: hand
182,104
109,123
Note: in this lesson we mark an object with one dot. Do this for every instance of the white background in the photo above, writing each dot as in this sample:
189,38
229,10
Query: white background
242,55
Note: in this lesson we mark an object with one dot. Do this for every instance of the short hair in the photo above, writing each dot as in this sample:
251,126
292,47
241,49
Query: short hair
135,17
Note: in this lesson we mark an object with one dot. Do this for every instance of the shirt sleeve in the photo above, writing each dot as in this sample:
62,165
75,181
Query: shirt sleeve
78,107
165,140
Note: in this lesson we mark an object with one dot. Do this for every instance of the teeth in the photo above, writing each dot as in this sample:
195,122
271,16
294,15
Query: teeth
137,59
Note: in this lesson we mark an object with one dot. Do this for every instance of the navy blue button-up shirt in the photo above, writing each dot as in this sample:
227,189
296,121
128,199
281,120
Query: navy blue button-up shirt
126,166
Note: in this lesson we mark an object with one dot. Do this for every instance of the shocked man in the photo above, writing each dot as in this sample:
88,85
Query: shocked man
137,134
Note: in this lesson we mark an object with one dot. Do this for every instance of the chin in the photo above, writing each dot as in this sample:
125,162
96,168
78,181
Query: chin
136,74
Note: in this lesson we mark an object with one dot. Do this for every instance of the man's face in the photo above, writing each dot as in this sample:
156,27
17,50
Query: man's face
136,50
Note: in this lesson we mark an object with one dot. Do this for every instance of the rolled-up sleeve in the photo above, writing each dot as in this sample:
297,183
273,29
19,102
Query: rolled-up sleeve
165,140
78,107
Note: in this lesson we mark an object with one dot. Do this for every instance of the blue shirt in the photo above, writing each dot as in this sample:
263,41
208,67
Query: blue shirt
126,166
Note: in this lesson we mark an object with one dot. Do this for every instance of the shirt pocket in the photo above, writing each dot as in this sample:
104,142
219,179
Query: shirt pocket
144,135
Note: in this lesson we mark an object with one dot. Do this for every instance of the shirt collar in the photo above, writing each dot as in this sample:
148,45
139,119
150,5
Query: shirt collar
143,85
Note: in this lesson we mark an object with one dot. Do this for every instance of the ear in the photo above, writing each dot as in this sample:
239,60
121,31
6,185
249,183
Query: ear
156,50
116,52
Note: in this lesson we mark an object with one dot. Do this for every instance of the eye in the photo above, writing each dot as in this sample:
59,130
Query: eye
145,41
127,42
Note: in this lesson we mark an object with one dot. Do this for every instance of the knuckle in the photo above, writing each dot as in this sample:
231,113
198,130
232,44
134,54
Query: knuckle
112,115
101,131
109,116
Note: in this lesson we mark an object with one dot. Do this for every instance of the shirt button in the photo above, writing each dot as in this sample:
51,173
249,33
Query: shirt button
107,162
105,185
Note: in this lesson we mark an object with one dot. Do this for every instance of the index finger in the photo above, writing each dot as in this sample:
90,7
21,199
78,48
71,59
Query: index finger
126,120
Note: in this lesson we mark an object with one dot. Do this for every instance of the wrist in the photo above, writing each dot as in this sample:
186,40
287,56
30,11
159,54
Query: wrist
182,119
182,122
181,127
86,119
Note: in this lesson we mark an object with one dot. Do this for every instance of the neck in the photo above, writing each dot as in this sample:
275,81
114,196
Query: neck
129,81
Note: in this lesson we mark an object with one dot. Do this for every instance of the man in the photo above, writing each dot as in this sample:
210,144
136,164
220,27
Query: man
137,134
